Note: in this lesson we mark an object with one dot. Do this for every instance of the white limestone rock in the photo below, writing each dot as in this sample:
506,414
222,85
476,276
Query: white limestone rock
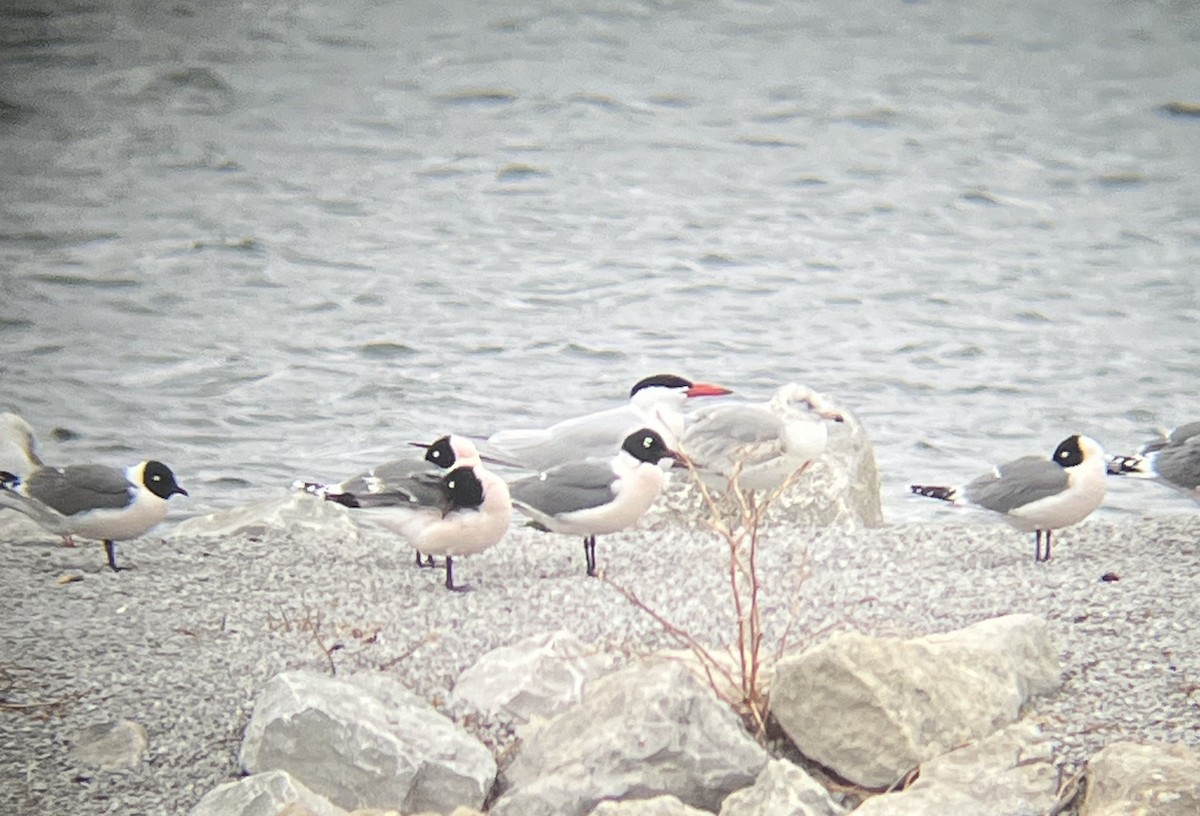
1131,779
782,789
264,794
652,729
873,708
365,742
657,806
840,488
1010,773
533,679
296,512
112,746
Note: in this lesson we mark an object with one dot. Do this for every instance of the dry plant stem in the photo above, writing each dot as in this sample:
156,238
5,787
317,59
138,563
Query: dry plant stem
745,601
709,663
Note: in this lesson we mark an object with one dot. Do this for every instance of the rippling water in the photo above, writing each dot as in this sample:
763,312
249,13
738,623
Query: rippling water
263,240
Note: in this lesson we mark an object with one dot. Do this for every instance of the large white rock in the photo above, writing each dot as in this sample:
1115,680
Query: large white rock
649,730
840,488
365,742
1010,773
782,789
1131,779
873,708
296,512
264,794
532,679
658,806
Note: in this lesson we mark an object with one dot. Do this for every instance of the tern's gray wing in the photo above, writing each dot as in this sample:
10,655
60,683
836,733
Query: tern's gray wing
1179,464
78,488
567,488
1017,483
723,436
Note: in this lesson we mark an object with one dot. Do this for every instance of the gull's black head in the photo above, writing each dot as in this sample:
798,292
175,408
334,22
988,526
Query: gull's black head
160,481
646,445
1069,452
440,453
463,488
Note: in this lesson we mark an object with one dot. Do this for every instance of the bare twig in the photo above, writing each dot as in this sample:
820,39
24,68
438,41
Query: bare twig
709,663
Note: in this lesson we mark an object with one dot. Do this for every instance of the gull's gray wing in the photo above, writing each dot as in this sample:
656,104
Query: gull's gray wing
718,438
1179,464
78,488
1017,483
567,488
425,488
393,475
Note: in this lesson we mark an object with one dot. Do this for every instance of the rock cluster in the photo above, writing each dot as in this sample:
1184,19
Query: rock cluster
921,727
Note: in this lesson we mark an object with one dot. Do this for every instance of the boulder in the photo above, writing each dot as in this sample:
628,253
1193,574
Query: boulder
782,789
652,729
532,679
365,742
264,794
1130,779
112,746
296,512
658,806
1010,773
840,488
872,708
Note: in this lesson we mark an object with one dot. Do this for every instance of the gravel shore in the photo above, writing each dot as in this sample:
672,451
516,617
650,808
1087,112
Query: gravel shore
183,643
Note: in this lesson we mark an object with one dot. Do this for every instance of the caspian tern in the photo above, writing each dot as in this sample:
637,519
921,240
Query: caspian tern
655,403
456,512
595,497
1173,459
762,444
1036,494
94,501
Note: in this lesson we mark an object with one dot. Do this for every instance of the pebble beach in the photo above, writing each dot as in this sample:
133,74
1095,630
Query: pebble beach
183,642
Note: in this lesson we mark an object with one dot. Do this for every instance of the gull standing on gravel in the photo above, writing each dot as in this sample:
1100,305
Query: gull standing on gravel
595,497
456,512
655,402
444,452
1173,459
761,444
94,501
1036,494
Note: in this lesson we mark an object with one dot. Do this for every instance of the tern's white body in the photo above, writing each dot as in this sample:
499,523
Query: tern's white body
655,403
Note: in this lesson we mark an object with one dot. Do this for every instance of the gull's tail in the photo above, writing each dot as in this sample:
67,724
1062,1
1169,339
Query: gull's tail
947,494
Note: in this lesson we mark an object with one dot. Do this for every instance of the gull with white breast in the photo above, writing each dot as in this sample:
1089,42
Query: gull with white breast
1036,494
452,512
656,402
1173,459
594,496
444,452
94,501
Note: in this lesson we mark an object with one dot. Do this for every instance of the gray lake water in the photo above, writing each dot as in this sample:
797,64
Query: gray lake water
265,240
